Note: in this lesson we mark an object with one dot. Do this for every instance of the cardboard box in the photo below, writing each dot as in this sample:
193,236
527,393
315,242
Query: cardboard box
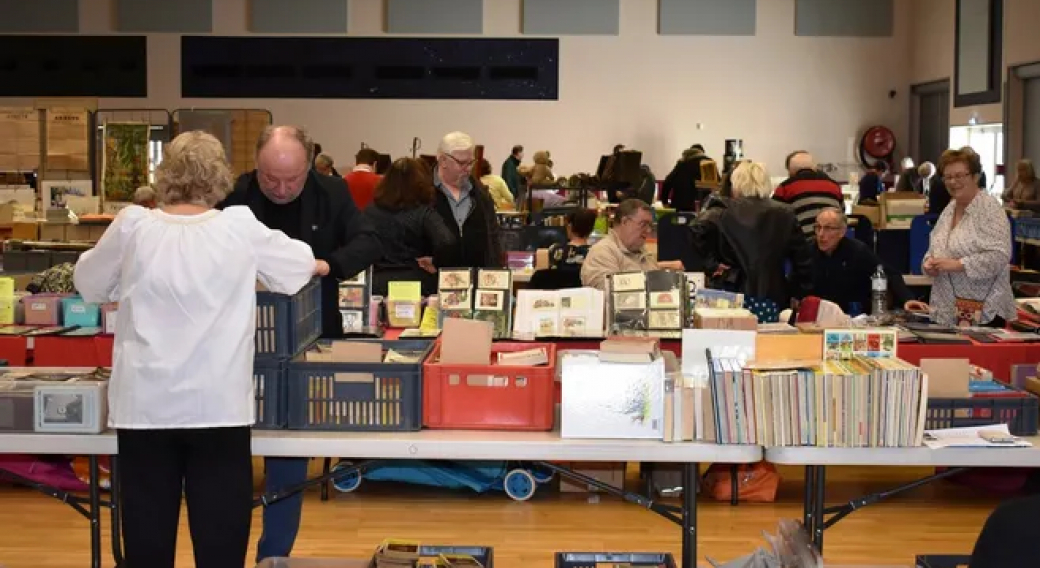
611,473
52,232
78,233
723,318
25,231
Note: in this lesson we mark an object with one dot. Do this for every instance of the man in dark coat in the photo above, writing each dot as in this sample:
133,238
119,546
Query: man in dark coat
286,194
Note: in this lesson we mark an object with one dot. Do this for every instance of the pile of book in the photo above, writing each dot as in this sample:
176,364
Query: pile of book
855,402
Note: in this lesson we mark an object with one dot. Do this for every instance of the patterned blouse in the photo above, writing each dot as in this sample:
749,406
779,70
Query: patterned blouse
982,242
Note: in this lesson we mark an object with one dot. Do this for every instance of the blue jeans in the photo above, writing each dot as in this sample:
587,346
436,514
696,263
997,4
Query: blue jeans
281,519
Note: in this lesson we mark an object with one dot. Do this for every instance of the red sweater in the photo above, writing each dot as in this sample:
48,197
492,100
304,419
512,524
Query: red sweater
362,186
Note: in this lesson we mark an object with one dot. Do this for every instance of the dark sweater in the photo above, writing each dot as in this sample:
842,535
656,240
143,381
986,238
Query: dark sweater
809,192
477,241
323,216
843,277
406,236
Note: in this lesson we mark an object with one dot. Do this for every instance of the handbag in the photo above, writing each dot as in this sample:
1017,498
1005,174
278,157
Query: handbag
968,311
756,483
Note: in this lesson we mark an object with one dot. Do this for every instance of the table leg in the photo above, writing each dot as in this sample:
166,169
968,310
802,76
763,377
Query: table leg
95,513
810,493
821,497
114,496
691,475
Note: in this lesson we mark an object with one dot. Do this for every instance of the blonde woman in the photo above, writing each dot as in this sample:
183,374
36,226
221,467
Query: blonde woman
181,393
1025,192
746,244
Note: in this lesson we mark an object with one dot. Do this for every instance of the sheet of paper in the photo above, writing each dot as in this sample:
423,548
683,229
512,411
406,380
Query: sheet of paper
405,291
972,437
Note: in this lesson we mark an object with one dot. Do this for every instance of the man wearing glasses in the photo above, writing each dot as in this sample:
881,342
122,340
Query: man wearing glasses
624,249
842,267
466,205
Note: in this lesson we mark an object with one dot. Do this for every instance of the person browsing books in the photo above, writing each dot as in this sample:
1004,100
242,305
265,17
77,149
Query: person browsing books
624,248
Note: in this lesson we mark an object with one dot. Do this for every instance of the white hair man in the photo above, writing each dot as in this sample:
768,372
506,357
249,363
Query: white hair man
807,190
465,204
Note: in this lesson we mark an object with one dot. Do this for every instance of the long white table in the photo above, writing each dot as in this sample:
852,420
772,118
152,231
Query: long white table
816,461
425,445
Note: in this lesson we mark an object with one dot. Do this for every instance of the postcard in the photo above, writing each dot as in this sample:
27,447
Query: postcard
495,279
628,281
454,279
490,300
630,300
665,319
358,279
669,299
455,300
351,297
353,320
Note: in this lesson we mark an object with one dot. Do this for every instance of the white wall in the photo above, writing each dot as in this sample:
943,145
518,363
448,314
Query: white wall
776,91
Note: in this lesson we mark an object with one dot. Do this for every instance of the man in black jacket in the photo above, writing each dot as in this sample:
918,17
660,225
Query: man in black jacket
286,194
843,267
465,205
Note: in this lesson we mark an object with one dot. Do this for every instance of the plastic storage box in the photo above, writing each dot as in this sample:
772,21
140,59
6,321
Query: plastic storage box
595,559
490,397
269,392
77,312
1021,414
286,325
42,309
53,400
358,396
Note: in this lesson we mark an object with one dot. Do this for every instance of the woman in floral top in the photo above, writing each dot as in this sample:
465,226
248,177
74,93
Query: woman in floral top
970,252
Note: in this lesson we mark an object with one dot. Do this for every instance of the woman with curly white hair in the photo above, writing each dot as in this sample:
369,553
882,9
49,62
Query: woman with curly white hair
181,394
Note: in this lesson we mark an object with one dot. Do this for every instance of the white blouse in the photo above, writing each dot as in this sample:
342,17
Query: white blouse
982,242
186,287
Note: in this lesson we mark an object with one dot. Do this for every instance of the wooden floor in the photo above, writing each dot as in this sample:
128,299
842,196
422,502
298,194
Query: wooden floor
40,532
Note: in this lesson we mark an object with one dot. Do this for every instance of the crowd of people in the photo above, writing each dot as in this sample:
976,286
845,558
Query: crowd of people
182,265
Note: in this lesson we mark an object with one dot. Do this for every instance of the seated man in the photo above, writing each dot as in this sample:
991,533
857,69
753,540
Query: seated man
624,248
842,267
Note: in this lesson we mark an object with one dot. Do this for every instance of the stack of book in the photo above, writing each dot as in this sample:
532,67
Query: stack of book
854,402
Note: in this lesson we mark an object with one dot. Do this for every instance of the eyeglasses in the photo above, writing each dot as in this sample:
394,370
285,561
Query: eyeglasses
826,229
957,177
643,225
464,165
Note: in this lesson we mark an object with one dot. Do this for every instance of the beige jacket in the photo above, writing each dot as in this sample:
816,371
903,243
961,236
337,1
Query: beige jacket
609,256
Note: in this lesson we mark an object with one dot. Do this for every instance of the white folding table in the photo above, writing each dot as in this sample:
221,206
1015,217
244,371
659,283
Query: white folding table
425,445
816,461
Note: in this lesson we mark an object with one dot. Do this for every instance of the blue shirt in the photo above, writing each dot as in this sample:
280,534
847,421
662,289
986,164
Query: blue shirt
461,207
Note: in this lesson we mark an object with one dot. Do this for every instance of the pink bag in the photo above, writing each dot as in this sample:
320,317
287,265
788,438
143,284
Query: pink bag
54,472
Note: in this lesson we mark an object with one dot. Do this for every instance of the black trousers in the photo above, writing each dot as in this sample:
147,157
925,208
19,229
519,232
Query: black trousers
212,468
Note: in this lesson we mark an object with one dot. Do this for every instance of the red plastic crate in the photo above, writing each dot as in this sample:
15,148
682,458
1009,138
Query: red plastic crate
15,349
490,397
51,351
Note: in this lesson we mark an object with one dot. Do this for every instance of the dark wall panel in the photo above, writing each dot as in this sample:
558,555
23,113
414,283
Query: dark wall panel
571,17
39,16
369,68
298,16
73,66
164,16
845,18
435,16
707,17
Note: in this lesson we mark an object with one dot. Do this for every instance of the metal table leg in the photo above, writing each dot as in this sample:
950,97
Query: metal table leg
691,473
809,496
95,512
821,497
114,504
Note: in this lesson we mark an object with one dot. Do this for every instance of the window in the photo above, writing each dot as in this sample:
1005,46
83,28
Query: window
988,141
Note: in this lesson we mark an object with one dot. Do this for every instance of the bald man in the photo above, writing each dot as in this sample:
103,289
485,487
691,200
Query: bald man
285,193
808,190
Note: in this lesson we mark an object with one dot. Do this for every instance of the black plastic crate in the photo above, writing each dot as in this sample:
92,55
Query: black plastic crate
942,561
64,256
383,397
269,393
483,554
287,325
1021,414
592,559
